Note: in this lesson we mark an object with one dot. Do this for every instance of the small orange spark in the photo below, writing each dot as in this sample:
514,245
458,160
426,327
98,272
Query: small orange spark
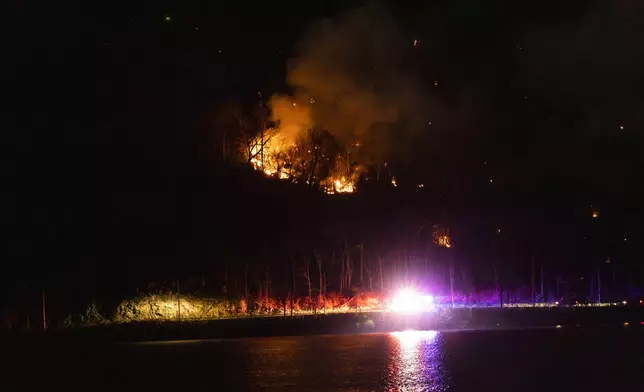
444,241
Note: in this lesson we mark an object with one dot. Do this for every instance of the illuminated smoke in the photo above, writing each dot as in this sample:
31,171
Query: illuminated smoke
293,118
351,77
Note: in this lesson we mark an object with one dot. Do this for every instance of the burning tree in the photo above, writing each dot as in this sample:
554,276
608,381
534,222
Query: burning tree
344,174
267,153
254,135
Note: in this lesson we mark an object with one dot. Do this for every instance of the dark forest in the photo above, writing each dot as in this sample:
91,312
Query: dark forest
127,165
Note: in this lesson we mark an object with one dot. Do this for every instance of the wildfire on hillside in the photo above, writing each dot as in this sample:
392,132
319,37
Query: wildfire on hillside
352,104
303,159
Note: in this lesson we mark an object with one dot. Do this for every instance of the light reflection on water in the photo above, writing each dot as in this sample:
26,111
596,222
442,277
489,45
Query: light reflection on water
415,363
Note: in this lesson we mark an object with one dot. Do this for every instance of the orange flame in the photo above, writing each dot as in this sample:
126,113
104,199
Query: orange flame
340,185
275,152
275,161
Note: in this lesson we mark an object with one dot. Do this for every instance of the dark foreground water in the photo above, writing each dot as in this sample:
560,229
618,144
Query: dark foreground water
514,361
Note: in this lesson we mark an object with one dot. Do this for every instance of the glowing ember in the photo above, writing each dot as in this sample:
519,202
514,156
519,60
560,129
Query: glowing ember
444,241
393,182
442,238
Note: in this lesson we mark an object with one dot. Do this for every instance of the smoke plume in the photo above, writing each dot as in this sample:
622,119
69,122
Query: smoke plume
353,76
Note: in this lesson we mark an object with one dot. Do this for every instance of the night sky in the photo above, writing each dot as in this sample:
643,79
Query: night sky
533,105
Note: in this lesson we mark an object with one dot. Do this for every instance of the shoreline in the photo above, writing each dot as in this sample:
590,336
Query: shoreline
456,319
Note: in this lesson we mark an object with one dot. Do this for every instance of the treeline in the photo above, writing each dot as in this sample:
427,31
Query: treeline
312,157
134,225
326,278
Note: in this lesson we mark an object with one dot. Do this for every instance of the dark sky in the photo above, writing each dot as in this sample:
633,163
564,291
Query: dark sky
542,86
112,97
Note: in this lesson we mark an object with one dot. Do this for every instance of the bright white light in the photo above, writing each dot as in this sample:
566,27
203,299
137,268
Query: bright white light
408,301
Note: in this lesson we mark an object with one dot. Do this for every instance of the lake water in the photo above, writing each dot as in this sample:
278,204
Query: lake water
514,361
